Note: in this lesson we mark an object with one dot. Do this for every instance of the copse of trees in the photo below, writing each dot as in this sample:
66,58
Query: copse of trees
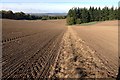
52,17
17,16
22,16
84,15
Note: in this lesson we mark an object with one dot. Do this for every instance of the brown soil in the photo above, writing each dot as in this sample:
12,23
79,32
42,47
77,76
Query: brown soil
35,49
30,47
78,60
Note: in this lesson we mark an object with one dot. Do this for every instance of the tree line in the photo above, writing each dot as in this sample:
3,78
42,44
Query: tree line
22,16
84,15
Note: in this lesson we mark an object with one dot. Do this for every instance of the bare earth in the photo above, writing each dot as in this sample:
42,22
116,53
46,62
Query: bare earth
35,49
30,47
103,38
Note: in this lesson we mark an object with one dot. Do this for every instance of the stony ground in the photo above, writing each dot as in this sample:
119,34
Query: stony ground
78,60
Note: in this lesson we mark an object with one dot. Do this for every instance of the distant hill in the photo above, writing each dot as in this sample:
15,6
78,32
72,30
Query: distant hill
31,16
48,14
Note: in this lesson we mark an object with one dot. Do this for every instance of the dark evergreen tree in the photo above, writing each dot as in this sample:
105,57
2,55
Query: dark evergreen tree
99,14
83,15
116,13
111,14
91,12
71,18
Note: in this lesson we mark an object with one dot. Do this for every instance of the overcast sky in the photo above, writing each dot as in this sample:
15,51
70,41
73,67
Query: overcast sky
52,6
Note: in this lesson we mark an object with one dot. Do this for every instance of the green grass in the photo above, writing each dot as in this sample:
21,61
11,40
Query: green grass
87,24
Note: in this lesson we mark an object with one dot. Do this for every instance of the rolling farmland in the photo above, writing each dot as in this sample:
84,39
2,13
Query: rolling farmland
30,47
36,49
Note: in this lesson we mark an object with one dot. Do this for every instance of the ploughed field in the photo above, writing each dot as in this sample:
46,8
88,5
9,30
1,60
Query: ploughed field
36,49
30,47
103,38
